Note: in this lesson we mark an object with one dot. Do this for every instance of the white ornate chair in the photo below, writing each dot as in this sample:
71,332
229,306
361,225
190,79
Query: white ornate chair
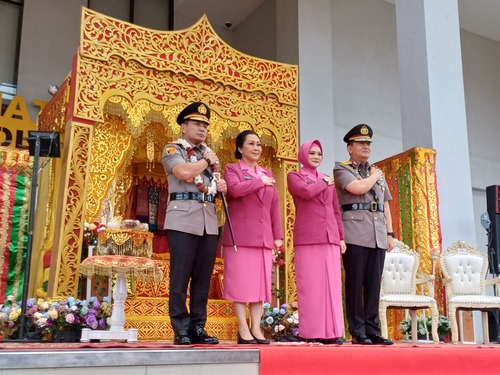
399,289
464,269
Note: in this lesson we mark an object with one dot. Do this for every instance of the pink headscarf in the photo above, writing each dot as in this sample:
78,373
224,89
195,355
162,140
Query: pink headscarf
304,156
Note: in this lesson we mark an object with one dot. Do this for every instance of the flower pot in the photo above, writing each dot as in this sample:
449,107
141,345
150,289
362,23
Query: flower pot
67,336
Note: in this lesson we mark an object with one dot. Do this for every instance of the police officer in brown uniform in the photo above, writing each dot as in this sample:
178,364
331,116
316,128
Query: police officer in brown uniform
363,197
191,224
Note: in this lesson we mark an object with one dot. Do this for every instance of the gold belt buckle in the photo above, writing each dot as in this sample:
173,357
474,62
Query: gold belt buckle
373,206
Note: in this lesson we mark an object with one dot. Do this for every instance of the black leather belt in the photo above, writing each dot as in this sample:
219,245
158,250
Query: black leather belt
372,206
192,196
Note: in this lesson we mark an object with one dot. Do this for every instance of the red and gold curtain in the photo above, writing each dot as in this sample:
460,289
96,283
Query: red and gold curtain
15,181
411,178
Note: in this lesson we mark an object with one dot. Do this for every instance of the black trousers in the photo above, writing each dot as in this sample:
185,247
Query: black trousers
363,272
191,258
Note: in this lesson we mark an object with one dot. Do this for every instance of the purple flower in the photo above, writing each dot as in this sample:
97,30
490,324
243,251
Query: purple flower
92,321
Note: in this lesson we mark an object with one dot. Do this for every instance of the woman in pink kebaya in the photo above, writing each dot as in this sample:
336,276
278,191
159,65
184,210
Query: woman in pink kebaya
318,244
254,210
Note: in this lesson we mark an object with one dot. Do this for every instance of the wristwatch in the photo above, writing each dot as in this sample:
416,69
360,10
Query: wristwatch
208,161
390,234
327,181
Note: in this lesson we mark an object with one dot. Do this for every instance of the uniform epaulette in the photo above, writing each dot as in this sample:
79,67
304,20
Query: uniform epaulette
346,162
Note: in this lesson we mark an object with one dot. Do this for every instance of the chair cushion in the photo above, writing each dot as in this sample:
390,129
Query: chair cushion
466,272
398,274
475,300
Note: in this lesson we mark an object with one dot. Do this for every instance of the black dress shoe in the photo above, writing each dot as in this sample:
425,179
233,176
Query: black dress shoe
182,338
245,342
197,335
379,340
260,341
335,341
361,340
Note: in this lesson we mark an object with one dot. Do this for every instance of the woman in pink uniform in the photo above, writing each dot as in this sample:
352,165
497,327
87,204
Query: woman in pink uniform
254,211
318,243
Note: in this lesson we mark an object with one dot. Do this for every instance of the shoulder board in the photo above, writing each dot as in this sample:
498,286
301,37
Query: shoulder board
346,162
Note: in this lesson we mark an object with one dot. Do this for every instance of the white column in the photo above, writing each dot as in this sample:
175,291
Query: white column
433,105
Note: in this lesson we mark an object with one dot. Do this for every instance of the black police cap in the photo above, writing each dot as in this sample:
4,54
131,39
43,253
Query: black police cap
360,133
197,111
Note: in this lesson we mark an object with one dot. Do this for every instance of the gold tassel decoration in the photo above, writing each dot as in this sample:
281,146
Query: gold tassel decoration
150,151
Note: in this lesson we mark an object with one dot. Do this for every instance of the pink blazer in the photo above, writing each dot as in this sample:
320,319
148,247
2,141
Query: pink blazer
318,219
253,208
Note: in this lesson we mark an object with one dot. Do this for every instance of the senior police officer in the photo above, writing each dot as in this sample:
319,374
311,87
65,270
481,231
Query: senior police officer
191,223
363,197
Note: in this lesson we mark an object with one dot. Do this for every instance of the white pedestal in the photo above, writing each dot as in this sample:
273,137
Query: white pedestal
116,332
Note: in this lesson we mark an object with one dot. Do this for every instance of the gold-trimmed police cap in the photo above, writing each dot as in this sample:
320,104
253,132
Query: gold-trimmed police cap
360,133
196,111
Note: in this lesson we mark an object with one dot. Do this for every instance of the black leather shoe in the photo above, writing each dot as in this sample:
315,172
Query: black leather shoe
198,335
245,342
335,341
361,340
182,338
379,340
260,341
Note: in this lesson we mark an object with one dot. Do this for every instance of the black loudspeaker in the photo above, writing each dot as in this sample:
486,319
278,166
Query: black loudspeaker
50,144
493,206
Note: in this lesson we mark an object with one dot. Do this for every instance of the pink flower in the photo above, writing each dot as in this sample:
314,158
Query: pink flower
70,318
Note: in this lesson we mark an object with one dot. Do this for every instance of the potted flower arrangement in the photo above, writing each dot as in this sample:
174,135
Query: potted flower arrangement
281,323
424,325
51,320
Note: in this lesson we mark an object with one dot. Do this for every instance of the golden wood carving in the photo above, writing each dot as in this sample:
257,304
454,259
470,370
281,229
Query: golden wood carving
130,82
55,111
111,141
197,51
66,259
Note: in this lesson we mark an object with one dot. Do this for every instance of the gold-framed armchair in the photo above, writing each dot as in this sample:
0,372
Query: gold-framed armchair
464,274
399,289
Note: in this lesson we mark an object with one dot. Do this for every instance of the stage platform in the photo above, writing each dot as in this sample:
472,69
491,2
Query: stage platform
228,358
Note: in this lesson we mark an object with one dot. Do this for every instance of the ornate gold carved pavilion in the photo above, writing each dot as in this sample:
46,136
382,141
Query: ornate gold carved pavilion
117,110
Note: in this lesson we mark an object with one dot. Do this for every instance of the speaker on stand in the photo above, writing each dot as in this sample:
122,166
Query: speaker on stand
41,143
493,232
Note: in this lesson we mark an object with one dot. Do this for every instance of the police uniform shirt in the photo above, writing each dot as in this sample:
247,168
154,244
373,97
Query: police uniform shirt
361,227
190,216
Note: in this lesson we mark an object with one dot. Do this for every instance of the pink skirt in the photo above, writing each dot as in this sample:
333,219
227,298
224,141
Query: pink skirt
319,291
247,274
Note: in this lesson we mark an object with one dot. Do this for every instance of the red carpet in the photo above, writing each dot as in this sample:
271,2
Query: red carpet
304,359
398,359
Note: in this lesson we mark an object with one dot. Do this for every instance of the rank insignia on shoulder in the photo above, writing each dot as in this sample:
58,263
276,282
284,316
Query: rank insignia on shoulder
346,162
170,150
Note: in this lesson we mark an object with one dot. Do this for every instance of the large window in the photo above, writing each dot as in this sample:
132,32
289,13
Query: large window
152,14
10,26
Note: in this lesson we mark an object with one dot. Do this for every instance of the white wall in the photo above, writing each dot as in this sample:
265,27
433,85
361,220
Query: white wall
365,74
480,57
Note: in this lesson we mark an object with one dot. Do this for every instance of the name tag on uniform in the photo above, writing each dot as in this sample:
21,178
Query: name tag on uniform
309,182
248,177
